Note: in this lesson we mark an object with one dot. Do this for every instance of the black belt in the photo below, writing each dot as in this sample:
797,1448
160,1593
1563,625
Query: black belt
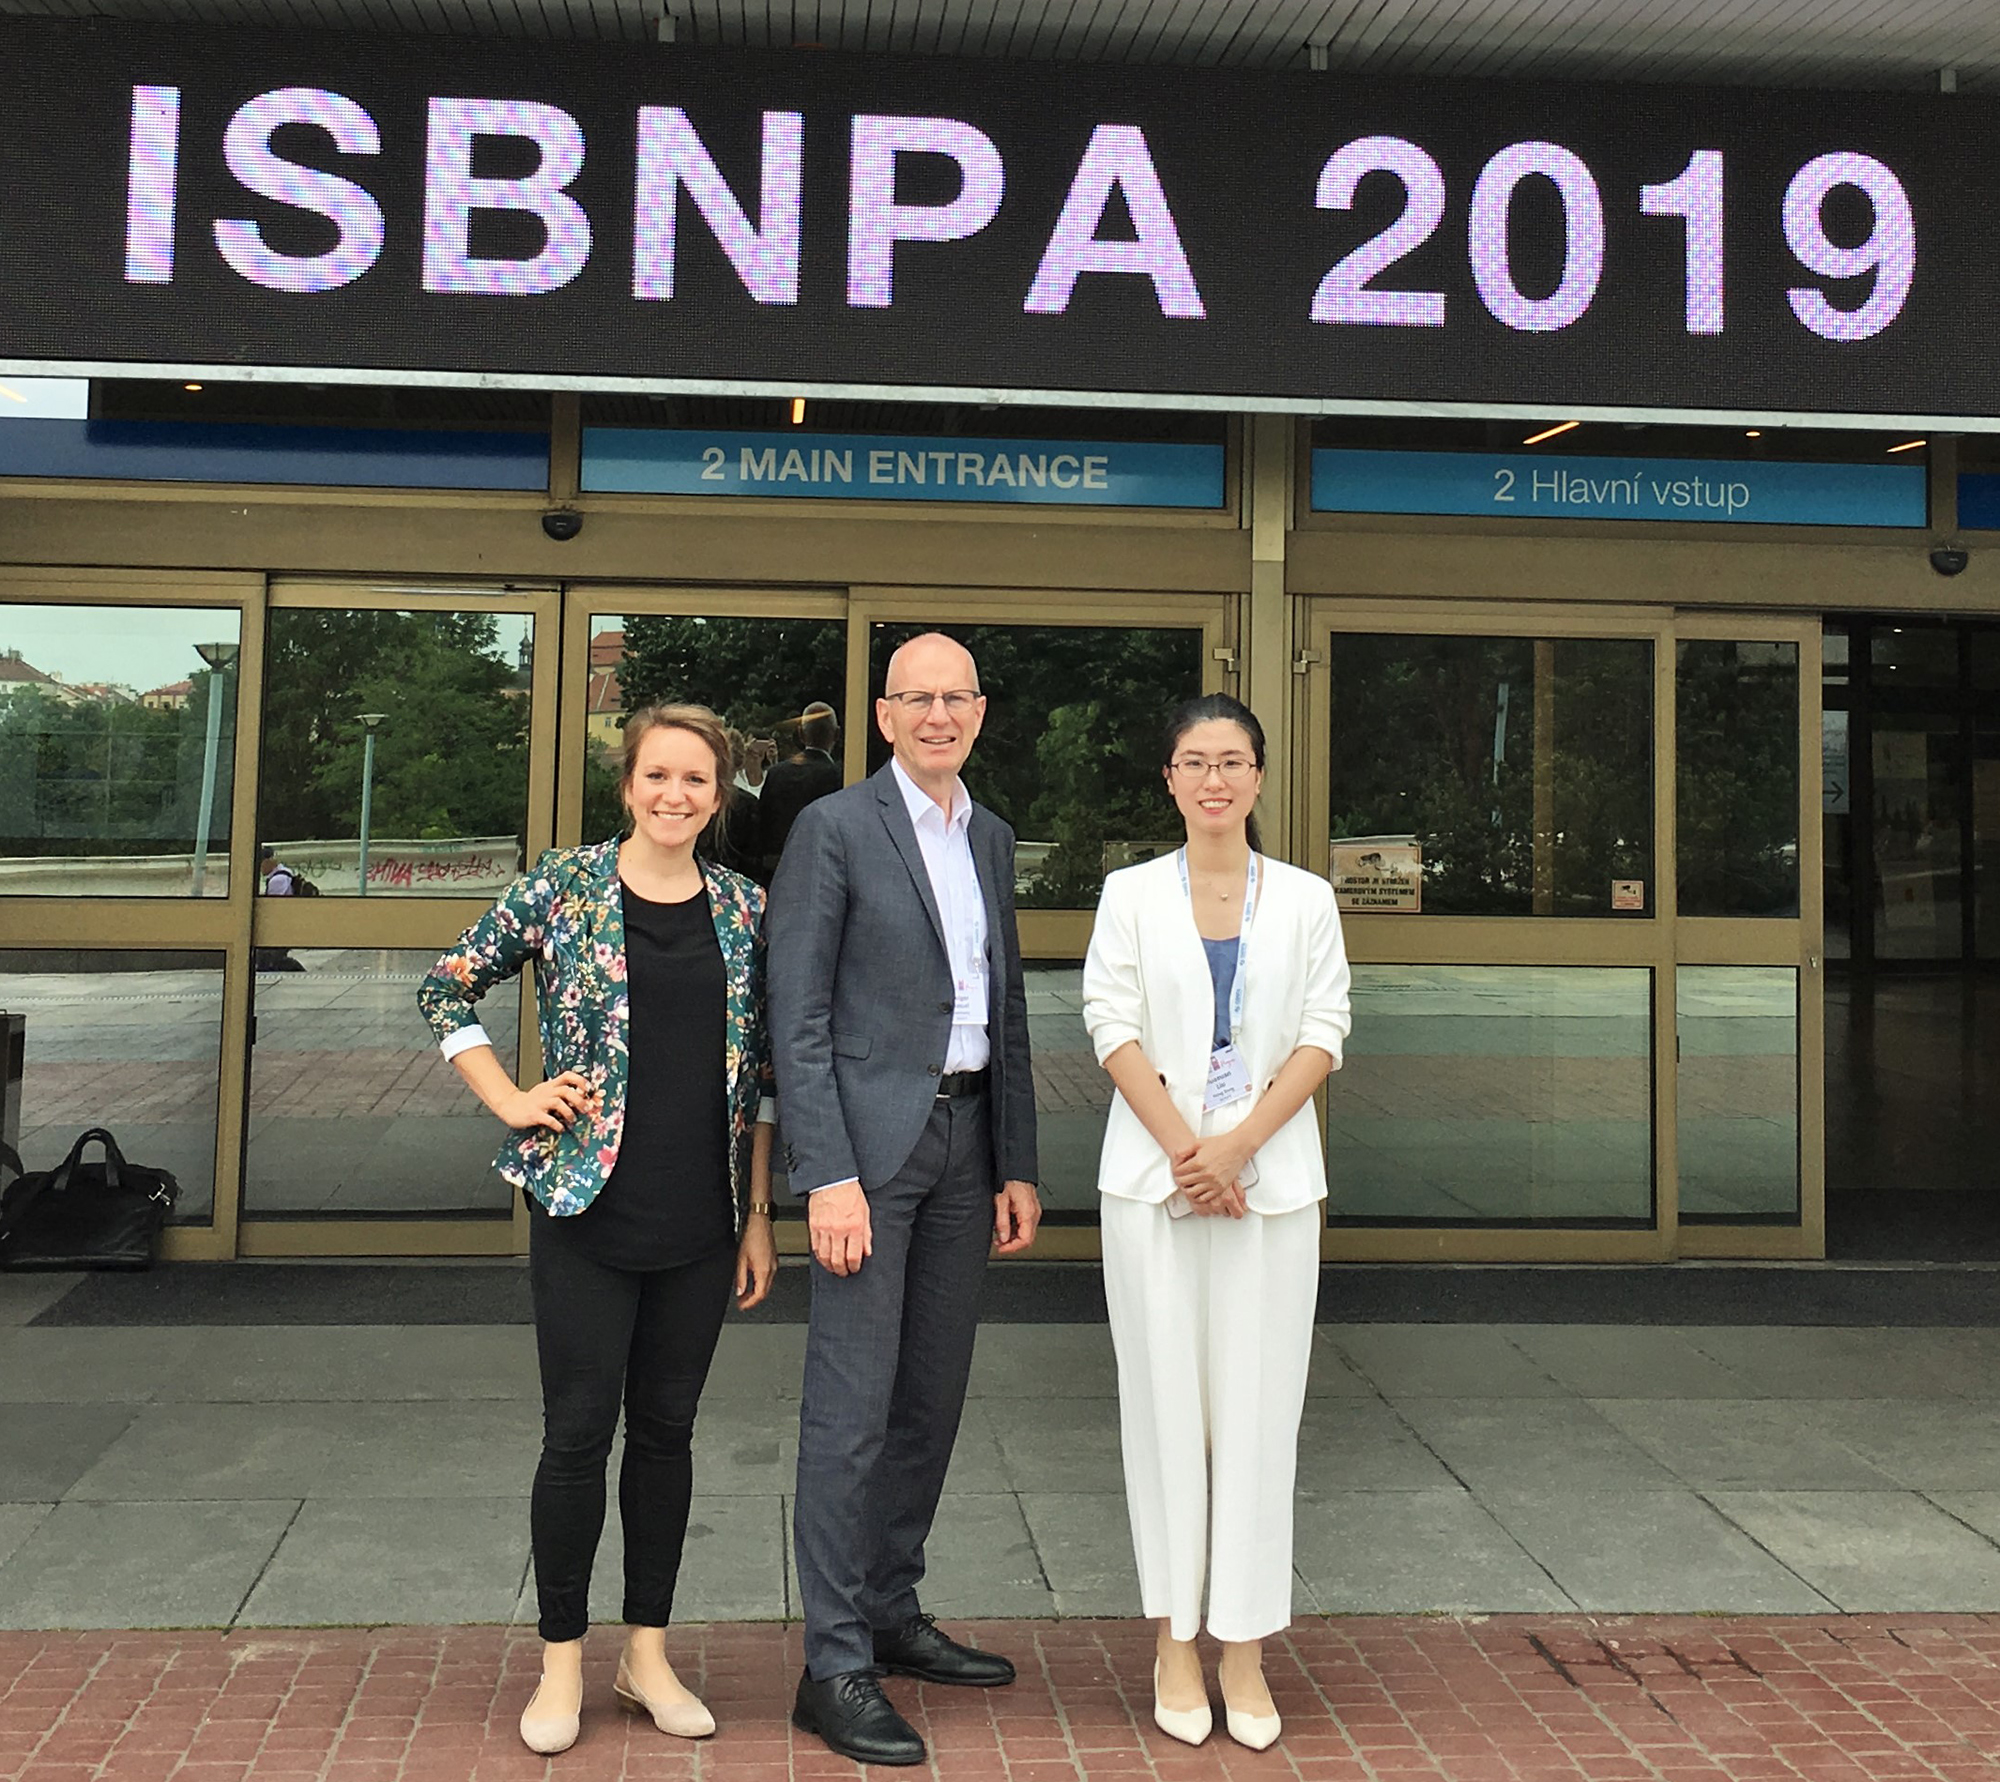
962,1082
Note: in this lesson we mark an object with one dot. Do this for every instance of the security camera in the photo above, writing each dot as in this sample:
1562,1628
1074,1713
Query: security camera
563,523
1950,559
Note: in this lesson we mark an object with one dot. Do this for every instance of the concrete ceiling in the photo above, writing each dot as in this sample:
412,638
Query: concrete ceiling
1904,44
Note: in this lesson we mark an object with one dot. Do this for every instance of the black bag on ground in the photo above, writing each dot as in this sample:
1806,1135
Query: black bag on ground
84,1215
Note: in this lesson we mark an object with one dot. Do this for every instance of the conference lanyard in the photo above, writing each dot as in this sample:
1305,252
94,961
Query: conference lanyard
1242,935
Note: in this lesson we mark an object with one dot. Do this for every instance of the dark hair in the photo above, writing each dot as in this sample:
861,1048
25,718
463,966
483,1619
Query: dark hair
1208,708
819,727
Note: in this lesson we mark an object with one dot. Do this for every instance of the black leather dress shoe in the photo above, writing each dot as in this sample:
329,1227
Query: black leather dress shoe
920,1648
856,1719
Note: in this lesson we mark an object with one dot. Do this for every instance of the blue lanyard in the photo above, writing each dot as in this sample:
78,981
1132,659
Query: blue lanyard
1242,935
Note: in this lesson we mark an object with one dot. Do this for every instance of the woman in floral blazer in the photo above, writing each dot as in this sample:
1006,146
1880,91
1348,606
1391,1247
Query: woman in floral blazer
646,1153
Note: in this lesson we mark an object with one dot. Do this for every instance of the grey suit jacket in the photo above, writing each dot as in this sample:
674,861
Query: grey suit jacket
860,991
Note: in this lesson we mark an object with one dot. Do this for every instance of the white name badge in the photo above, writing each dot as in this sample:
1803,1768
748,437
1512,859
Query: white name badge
968,1000
1228,1078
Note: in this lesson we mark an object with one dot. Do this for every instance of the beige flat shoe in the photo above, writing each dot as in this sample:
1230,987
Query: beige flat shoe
547,1733
682,1720
1190,1725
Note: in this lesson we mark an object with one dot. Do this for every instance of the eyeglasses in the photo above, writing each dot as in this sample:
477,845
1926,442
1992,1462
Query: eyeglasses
1196,768
958,702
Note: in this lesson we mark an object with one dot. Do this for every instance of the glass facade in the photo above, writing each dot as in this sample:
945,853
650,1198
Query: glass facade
1736,764
1493,1094
117,750
1494,776
1738,1102
395,751
130,1041
353,1109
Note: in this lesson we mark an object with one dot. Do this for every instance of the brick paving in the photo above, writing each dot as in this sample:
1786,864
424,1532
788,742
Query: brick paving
1505,1699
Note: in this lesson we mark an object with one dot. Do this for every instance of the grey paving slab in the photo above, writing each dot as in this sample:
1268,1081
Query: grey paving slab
426,1562
1743,1444
732,1567
45,1449
1413,1553
1072,1442
1362,1444
745,1447
90,1366
26,1296
1872,1551
140,1564
1979,1509
981,1559
1794,1361
758,1361
1924,1444
1084,1540
1665,1552
1331,1376
17,1523
1500,1444
1968,1360
309,1363
1044,1361
1649,1362
977,1464
1442,1361
319,1450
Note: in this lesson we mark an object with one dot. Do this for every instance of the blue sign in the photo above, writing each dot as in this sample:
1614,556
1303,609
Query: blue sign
1530,486
879,467
1979,501
250,452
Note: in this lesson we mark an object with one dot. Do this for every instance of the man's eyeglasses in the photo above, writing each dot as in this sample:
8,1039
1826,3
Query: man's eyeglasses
958,702
1196,768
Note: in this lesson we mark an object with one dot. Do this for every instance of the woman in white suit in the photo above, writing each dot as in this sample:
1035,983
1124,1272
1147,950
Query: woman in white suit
1216,994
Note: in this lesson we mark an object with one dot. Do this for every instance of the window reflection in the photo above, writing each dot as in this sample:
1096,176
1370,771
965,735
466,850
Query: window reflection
1738,1092
1072,1093
1491,1094
1069,754
395,751
1486,776
353,1109
117,750
131,1042
777,683
1736,738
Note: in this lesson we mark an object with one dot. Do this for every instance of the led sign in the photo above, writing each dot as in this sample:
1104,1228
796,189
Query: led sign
586,217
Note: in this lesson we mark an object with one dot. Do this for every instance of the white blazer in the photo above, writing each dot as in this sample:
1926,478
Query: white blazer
1146,978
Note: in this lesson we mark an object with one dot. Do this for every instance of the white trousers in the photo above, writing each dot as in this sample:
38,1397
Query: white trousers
1212,1320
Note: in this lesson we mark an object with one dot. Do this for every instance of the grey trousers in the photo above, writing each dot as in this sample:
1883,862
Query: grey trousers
888,1353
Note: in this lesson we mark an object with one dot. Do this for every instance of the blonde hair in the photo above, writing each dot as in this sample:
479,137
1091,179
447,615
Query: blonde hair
697,721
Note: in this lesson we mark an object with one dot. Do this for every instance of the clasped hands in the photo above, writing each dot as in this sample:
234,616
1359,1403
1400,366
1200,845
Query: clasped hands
1206,1172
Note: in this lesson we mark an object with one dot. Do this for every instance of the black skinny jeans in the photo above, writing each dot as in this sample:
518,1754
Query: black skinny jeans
605,1334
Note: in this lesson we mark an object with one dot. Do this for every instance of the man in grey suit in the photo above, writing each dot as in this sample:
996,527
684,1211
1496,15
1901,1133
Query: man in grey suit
899,1022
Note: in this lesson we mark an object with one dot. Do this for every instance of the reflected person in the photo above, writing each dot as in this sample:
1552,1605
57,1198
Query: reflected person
792,784
646,1155
1216,995
899,1021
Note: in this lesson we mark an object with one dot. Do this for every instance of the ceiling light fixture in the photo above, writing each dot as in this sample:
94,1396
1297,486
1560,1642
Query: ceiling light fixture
192,389
798,411
1908,445
1550,432
1753,433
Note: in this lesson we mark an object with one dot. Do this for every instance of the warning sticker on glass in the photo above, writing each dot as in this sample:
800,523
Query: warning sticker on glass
1628,894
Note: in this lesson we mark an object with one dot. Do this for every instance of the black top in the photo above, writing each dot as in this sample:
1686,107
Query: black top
789,786
668,1201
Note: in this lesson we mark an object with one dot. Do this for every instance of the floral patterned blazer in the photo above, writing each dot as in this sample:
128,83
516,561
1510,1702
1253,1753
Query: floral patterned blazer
567,916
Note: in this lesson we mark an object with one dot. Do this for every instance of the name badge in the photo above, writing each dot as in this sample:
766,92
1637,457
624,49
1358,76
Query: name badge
968,999
1228,1078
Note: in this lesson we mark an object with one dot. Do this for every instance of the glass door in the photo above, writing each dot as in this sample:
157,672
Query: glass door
1483,785
406,773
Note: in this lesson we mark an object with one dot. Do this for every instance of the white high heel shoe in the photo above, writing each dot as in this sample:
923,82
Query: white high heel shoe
1258,1731
1190,1725
545,1733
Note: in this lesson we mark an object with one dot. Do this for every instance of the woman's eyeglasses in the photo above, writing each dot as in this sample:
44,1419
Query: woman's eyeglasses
1196,768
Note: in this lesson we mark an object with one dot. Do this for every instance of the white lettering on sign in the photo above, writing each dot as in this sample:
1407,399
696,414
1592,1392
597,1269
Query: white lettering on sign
890,468
1557,487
